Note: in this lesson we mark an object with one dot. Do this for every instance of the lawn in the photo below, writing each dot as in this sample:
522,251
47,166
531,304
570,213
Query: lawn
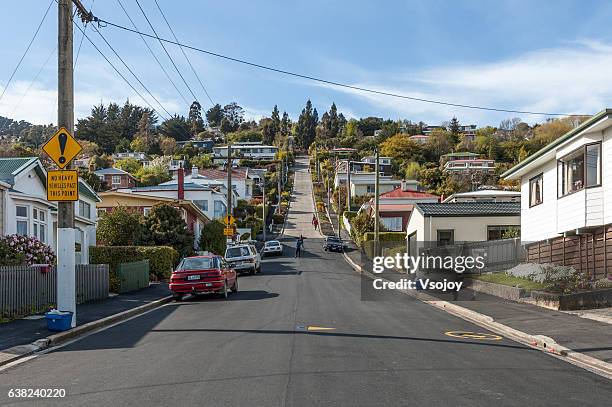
503,278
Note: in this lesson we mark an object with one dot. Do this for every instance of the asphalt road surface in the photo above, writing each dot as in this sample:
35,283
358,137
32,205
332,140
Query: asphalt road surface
300,335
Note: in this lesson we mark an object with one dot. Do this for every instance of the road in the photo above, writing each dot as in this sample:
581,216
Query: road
256,349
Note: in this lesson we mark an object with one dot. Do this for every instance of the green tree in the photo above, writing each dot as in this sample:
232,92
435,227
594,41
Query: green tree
412,170
233,116
276,122
268,131
152,175
176,127
195,118
164,226
121,227
130,165
400,147
202,161
285,128
306,126
212,238
167,145
214,115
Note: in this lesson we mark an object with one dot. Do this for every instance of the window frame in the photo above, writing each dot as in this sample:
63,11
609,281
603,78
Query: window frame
452,240
540,175
561,185
500,228
113,177
82,206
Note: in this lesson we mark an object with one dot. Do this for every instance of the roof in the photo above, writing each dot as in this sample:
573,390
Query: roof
398,193
11,166
111,171
156,199
395,208
469,209
420,136
171,187
461,154
567,136
86,190
213,173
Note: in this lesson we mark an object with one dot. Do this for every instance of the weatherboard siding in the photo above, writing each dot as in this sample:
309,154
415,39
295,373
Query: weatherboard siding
606,179
540,222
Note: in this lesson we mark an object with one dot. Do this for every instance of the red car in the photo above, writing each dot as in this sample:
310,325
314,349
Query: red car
203,274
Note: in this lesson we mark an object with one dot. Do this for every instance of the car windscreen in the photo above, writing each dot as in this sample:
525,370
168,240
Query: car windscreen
333,240
272,244
197,263
237,252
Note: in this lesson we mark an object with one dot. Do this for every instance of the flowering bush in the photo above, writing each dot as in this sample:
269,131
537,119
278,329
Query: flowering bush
17,249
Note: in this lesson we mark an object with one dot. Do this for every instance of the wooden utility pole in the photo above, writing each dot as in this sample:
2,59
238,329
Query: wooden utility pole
229,179
348,184
376,201
66,281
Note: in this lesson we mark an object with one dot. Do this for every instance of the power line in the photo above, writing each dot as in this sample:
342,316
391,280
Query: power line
153,53
26,51
33,80
330,82
184,54
165,50
132,72
76,59
117,71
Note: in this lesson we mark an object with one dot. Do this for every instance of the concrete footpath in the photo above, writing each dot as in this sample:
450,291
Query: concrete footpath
21,337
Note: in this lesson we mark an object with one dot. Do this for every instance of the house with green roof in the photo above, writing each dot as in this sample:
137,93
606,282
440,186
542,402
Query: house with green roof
26,211
566,198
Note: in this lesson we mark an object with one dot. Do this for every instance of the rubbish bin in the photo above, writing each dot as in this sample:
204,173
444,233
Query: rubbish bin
59,320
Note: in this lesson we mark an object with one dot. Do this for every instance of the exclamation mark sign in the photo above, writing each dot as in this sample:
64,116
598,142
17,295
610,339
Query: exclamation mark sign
63,138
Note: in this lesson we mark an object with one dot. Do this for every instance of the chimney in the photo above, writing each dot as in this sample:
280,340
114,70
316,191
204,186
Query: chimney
194,171
404,185
181,183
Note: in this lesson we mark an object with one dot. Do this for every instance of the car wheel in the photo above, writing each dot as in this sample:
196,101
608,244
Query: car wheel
177,297
224,293
235,287
253,271
259,269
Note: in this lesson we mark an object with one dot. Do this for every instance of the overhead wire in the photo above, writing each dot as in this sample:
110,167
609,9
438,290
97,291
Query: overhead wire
26,51
165,50
153,54
184,54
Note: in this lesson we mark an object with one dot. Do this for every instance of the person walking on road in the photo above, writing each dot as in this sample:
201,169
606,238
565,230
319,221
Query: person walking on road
298,246
315,223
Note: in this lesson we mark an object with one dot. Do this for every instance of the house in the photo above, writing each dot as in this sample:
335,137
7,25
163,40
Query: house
251,151
205,144
116,178
429,129
485,195
419,138
26,210
194,217
242,181
447,223
364,184
211,200
566,198
138,155
466,162
4,188
217,180
384,164
468,131
365,166
394,207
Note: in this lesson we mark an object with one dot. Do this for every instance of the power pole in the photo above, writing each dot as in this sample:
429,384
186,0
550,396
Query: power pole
348,184
263,215
376,209
279,174
229,187
66,280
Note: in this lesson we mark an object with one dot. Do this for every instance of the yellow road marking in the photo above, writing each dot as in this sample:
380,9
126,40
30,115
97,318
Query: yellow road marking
473,335
319,328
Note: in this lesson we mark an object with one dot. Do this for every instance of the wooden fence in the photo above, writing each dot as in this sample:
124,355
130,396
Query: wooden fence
28,290
588,253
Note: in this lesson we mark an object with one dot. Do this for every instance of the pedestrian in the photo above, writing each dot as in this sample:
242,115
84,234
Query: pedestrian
314,219
316,224
298,246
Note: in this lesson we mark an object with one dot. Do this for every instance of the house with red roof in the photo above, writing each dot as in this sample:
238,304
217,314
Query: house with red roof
396,206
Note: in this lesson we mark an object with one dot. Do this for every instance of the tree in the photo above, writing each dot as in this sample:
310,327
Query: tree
233,116
121,227
453,126
212,238
268,131
369,125
400,146
176,127
437,145
412,170
276,122
35,136
92,180
152,175
285,128
214,115
130,165
167,145
195,118
245,136
202,161
306,126
164,226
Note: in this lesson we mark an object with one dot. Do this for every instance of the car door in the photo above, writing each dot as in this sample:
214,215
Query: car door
230,273
255,255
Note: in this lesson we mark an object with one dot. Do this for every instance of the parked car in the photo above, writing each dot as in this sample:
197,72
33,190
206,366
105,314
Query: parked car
243,258
272,247
203,274
333,244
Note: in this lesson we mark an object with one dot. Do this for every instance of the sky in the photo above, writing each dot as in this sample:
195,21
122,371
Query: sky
547,56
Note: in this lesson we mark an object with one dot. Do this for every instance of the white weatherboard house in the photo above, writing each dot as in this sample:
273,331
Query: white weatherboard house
566,201
26,210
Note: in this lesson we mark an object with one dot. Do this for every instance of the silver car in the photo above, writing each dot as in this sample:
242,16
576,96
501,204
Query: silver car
243,258
272,247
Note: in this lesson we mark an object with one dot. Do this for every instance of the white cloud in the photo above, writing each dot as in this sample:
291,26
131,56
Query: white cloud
569,79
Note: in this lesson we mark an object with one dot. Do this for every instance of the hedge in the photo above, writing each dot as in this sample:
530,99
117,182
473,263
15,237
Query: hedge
385,236
349,214
162,259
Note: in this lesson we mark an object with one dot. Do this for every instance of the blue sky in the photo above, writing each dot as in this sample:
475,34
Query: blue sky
552,56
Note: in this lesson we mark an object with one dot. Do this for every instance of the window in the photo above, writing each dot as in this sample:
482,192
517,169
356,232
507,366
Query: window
39,224
84,209
21,222
535,190
580,168
392,224
220,209
446,237
500,231
146,211
116,179
203,204
370,189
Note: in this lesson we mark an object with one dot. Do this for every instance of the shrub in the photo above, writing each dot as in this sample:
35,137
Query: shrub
278,219
161,259
17,249
164,226
361,224
212,238
385,236
349,214
121,227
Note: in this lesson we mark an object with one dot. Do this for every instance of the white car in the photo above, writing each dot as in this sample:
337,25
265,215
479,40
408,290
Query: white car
272,247
243,258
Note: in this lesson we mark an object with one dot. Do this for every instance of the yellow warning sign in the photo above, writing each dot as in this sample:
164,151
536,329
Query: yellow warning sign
62,185
62,148
473,335
229,220
228,232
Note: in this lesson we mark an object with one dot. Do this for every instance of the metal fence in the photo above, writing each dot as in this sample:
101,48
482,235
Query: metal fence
28,290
